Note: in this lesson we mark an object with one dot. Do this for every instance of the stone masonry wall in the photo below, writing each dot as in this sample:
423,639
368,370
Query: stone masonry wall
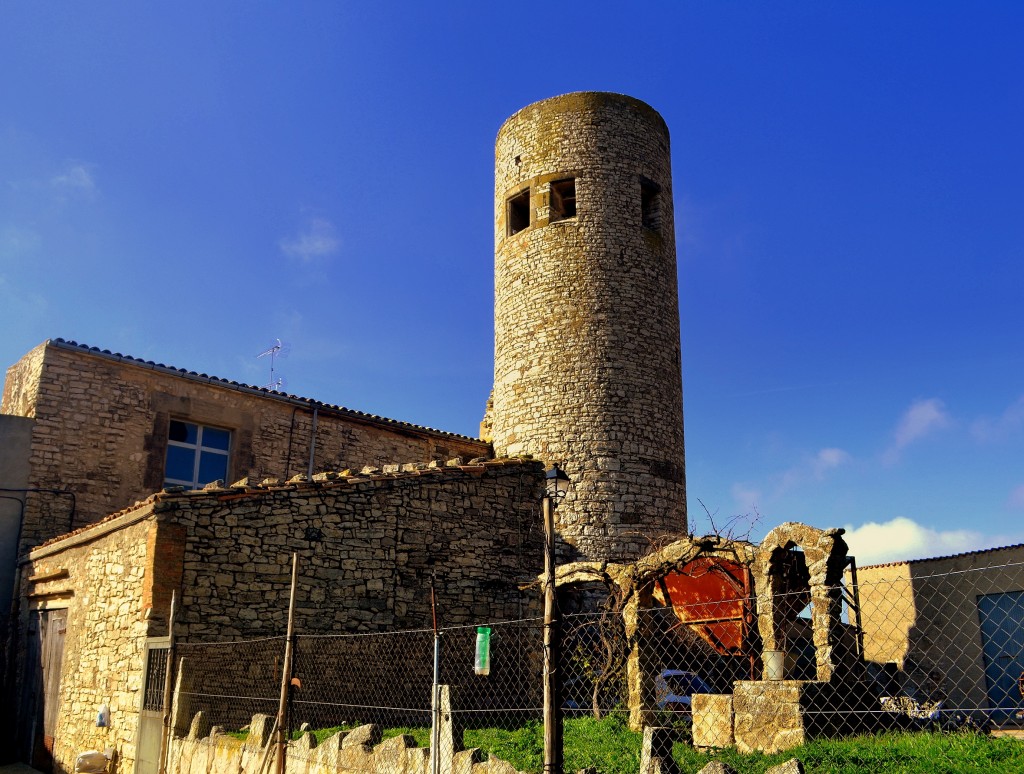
102,422
368,546
358,751
101,580
587,363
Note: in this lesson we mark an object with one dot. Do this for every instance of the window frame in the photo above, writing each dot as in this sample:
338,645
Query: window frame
650,205
198,449
559,203
514,215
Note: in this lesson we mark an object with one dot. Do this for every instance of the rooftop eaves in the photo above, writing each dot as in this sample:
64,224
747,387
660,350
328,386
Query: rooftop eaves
263,392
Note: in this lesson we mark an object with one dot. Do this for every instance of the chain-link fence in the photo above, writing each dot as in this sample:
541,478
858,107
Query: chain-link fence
898,649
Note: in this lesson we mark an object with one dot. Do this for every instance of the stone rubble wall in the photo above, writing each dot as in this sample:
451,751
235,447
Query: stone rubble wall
587,363
103,584
358,751
368,546
102,422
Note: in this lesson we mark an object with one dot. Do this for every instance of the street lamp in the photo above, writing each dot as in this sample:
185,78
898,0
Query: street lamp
556,486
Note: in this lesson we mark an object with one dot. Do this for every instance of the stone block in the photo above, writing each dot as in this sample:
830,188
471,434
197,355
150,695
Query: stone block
464,760
718,767
259,730
656,753
768,716
712,720
200,727
364,736
389,757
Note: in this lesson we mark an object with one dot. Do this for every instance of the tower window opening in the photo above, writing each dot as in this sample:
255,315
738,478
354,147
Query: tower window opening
519,212
650,205
563,199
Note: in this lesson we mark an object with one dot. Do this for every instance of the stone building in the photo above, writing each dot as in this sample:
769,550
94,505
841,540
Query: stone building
88,432
586,316
587,376
949,628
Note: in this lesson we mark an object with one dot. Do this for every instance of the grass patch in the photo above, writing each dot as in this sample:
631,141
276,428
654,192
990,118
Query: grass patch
906,752
523,747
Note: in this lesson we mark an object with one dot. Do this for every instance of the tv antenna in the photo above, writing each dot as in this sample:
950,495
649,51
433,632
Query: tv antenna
274,351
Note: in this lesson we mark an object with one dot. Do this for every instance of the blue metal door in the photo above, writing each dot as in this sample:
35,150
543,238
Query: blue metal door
1002,637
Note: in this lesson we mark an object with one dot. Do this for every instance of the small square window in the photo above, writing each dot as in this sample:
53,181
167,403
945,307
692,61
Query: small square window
519,212
196,454
650,205
563,199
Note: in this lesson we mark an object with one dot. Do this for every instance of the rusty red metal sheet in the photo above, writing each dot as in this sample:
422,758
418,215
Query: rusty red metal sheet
708,595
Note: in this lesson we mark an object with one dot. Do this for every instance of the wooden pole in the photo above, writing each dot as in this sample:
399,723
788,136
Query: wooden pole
552,703
435,700
286,674
165,732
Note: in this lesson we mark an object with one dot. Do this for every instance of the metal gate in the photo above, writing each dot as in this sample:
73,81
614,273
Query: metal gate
147,760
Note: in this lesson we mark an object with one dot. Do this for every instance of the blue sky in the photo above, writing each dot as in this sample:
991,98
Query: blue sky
187,182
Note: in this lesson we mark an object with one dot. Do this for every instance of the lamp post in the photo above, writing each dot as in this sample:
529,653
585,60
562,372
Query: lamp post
556,487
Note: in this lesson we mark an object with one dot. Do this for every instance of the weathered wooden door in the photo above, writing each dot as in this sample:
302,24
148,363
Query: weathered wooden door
1002,637
41,699
147,760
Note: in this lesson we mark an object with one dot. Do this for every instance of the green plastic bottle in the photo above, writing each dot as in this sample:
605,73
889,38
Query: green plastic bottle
482,666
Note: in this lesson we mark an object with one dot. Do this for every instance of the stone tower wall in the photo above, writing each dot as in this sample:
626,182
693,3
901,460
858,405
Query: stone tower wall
587,365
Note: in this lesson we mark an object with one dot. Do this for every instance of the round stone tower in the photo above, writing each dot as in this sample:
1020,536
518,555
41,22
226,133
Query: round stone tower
587,369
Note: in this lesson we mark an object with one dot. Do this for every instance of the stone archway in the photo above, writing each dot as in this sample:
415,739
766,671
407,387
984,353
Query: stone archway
635,584
824,560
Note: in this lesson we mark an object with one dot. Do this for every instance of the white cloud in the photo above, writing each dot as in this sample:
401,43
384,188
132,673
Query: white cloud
987,429
826,460
317,239
922,418
810,469
902,538
76,179
747,497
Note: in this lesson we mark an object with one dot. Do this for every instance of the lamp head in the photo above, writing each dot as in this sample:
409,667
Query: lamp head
556,482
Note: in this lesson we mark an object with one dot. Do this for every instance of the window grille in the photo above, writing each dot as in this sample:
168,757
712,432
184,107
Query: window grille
156,675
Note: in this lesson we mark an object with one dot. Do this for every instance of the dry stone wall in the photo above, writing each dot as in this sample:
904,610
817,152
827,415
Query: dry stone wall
587,363
101,425
358,751
368,547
